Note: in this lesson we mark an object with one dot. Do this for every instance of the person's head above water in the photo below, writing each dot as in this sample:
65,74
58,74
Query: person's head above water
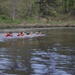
21,34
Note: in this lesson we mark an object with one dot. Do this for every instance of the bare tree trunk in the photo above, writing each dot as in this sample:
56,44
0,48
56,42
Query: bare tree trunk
14,5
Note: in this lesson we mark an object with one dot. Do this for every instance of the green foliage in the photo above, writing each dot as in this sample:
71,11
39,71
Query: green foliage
5,19
16,21
31,20
31,10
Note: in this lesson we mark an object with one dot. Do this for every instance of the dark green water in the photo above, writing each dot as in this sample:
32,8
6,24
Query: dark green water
53,54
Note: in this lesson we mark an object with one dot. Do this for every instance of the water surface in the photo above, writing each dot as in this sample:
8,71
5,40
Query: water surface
53,54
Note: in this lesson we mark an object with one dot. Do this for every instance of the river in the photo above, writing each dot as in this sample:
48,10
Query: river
53,54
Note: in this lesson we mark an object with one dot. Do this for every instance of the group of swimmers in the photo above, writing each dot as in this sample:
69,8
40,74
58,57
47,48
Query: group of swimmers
22,33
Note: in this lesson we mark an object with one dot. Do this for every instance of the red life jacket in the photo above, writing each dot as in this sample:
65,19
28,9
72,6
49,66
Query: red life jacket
8,34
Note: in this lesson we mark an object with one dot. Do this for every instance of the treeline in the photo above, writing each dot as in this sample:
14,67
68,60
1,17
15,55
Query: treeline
35,9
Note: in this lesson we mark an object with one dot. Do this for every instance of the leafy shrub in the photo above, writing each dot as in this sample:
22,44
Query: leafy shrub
7,20
3,17
16,21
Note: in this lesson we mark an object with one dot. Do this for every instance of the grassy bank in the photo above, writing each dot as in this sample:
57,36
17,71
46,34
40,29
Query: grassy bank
6,22
38,25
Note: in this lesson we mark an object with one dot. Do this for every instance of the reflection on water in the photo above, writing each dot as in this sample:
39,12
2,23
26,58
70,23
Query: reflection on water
51,62
48,55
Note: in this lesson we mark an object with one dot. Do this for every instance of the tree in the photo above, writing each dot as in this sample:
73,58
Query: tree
14,7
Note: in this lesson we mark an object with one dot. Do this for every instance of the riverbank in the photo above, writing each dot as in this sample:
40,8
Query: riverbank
34,25
42,23
33,29
67,21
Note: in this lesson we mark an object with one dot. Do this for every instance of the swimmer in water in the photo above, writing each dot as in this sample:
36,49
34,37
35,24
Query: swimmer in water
9,34
31,33
21,34
38,32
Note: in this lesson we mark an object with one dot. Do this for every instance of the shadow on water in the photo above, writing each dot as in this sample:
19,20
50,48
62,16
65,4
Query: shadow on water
53,54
